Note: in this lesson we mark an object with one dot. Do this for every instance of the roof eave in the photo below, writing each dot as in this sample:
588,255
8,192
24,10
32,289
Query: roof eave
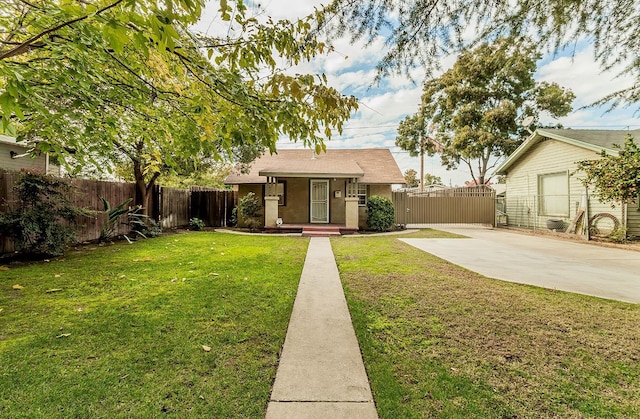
536,137
577,143
364,181
310,174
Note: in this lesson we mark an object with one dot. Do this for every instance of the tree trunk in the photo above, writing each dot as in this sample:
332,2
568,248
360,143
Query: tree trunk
141,187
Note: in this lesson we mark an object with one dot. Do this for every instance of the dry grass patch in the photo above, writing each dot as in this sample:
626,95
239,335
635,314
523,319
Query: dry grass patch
439,340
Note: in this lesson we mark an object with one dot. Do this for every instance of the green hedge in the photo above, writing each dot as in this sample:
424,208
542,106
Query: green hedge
380,213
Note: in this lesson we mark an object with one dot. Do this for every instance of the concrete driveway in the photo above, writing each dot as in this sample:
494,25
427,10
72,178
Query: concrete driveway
543,261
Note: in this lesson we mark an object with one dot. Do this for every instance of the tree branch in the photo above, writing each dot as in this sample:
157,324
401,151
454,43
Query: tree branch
152,181
28,44
30,4
139,77
124,150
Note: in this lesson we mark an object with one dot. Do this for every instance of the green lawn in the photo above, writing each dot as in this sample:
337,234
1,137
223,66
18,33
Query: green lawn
440,341
125,330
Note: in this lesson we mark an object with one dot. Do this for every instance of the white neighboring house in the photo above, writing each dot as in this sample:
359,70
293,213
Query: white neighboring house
15,156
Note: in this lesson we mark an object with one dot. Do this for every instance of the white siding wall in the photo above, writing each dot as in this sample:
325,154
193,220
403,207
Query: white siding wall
633,219
549,156
9,164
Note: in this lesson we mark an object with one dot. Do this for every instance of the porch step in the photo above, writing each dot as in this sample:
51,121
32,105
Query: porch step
321,234
320,231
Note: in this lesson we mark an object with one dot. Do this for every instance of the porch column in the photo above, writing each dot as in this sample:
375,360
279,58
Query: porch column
271,202
351,204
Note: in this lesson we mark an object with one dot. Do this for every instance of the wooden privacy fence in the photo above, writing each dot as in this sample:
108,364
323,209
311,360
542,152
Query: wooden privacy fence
474,205
213,206
86,194
178,206
175,207
172,207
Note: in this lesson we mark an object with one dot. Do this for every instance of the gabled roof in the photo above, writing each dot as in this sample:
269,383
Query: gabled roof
371,166
594,140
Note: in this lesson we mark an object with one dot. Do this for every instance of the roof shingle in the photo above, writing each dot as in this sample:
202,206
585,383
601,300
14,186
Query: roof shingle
371,166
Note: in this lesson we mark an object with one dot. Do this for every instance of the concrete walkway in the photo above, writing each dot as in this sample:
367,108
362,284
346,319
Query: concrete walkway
542,261
321,373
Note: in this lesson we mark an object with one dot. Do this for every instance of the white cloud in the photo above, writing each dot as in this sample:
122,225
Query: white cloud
390,107
356,82
584,76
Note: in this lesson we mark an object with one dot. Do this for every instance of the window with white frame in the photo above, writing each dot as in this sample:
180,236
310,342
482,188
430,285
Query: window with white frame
553,192
362,194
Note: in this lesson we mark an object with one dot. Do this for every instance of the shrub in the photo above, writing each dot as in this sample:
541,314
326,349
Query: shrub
380,213
250,210
233,220
143,225
43,223
112,216
619,235
196,224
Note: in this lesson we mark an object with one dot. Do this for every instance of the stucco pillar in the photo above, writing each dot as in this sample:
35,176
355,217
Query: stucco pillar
351,212
271,201
270,211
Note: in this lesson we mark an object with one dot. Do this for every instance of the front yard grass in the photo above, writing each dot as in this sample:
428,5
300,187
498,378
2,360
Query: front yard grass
440,341
186,325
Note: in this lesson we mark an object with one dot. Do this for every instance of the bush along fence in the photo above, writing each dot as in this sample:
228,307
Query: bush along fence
104,201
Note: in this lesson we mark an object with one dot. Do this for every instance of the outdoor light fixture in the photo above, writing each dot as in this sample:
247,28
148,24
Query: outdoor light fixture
15,155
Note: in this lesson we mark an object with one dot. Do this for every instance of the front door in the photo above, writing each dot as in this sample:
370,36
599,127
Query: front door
319,201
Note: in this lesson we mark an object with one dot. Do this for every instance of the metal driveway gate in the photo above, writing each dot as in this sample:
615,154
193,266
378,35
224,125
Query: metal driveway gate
474,205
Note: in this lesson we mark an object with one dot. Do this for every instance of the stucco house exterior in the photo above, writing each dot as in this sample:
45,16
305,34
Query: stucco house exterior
14,157
300,187
542,183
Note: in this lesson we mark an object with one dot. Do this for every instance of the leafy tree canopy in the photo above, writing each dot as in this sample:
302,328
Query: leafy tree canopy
430,179
475,105
413,136
411,178
420,32
208,173
125,79
616,178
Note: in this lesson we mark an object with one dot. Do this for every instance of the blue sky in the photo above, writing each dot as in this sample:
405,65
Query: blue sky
351,70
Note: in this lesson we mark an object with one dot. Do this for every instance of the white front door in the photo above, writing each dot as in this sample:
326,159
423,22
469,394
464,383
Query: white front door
319,201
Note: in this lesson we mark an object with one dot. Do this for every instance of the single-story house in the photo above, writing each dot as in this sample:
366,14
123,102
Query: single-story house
543,185
15,156
300,187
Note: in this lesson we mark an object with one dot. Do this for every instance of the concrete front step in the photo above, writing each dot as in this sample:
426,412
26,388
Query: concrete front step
320,231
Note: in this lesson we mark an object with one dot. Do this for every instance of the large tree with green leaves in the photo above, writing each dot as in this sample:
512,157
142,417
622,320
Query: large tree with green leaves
476,104
413,136
125,80
430,179
411,178
616,177
421,32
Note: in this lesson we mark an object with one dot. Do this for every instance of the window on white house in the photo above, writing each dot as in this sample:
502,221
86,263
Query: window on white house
362,194
553,192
